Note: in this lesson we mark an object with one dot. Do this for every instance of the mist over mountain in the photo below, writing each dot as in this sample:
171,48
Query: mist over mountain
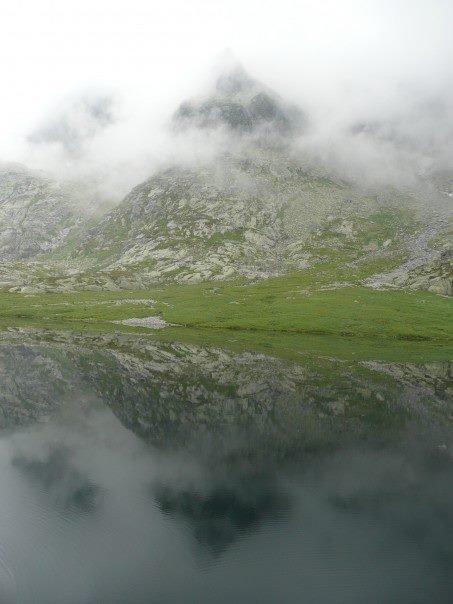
311,162
113,141
348,66
241,195
243,106
78,121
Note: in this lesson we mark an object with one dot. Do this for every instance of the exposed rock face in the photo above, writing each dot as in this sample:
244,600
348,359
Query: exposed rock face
218,221
36,213
436,277
252,215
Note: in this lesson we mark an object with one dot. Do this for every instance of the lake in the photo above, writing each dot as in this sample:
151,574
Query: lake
136,470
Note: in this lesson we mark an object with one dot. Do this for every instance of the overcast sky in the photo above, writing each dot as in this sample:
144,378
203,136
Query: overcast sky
354,55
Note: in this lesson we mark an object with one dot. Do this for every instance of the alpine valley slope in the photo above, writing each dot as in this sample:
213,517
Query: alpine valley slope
254,210
38,214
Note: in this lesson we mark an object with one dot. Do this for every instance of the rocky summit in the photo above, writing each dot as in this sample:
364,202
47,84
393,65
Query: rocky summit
242,105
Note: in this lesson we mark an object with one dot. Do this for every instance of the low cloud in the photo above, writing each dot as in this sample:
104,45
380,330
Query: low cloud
372,79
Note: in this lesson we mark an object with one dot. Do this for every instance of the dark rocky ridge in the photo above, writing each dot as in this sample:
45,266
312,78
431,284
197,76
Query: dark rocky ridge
243,106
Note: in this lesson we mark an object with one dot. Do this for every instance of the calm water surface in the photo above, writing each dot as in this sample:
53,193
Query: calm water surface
134,471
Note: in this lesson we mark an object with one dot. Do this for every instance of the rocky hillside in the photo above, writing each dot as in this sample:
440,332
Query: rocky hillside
36,213
253,210
255,215
229,218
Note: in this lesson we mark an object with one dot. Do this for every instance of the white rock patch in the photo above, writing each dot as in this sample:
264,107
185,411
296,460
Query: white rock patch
149,322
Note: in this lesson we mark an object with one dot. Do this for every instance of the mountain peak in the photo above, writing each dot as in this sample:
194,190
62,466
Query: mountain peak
242,105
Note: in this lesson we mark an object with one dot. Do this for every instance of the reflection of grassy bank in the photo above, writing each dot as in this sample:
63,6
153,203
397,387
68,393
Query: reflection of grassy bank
179,394
296,347
281,316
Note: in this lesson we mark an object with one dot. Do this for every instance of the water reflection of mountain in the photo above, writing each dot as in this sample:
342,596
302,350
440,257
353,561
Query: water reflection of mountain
35,381
178,389
431,379
218,513
259,468
162,391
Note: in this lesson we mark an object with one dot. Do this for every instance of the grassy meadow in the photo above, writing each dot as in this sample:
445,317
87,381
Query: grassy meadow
283,313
